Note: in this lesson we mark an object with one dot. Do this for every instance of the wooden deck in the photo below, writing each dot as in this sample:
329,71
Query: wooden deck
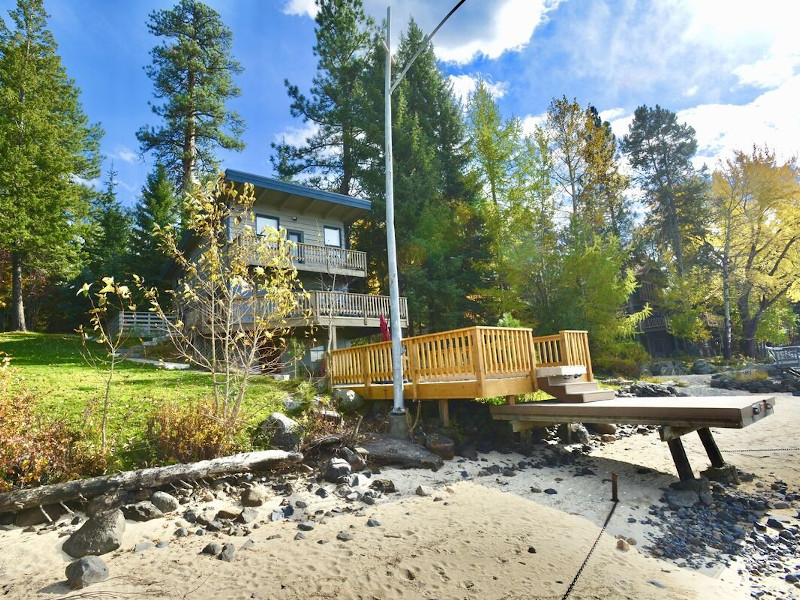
475,362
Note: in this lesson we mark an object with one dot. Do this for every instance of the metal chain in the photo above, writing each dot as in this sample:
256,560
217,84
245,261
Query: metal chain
743,451
588,556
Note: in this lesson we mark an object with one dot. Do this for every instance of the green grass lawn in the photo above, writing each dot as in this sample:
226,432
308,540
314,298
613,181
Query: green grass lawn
52,368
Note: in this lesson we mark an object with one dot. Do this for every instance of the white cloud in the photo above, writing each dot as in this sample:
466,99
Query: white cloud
125,154
531,122
464,85
691,91
297,136
300,8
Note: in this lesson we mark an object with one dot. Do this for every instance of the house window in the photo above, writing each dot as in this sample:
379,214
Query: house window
317,354
265,223
295,236
333,237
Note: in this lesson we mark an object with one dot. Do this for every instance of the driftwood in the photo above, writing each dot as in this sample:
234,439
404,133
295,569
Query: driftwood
146,478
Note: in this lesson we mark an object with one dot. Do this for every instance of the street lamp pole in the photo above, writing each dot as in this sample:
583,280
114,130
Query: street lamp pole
397,417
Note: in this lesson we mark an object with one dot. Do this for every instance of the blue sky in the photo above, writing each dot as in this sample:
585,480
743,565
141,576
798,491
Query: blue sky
730,68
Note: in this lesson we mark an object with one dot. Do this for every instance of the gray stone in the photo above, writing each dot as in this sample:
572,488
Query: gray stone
248,515
227,514
142,546
305,526
682,498
373,523
602,428
726,474
299,536
164,502
348,400
255,496
105,503
579,433
86,571
228,552
703,367
344,536
336,469
383,449
385,486
100,534
424,490
141,511
181,532
212,548
162,544
356,461
284,433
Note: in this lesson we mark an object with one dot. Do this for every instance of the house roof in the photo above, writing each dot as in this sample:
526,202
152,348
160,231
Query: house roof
301,198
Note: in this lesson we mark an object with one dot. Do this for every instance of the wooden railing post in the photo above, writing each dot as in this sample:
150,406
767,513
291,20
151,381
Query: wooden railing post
413,365
478,361
588,357
365,370
532,353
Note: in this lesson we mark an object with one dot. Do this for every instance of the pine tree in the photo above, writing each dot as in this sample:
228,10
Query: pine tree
192,71
109,232
157,207
331,157
46,142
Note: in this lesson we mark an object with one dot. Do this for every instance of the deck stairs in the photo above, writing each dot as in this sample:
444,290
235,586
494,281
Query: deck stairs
567,384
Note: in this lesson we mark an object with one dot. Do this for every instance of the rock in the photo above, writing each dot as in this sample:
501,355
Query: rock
305,526
100,534
212,548
86,571
227,514
385,486
105,503
550,491
356,461
35,516
623,545
142,546
424,490
337,468
228,552
164,502
248,515
441,446
255,496
703,367
682,498
726,474
181,532
373,523
322,493
775,524
284,433
299,536
141,511
468,450
579,433
348,400
602,428
384,449
344,536
162,544
607,437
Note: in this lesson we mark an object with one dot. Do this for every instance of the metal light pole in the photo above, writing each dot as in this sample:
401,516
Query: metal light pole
397,418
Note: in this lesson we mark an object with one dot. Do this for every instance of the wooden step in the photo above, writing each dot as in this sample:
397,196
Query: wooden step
592,396
570,386
568,389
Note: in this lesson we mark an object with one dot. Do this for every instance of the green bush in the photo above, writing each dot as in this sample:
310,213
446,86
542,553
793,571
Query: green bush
622,358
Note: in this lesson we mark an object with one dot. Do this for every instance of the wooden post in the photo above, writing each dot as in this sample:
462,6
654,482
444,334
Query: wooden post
477,356
365,370
413,365
711,447
589,373
681,460
532,350
614,496
511,400
444,412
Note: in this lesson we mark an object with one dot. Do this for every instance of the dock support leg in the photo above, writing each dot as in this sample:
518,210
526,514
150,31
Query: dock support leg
444,412
714,455
680,458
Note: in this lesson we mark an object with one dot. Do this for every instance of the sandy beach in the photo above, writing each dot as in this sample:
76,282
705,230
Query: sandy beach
521,532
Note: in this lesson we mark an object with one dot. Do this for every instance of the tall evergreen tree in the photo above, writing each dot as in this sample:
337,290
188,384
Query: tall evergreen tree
331,157
46,142
660,150
109,232
192,71
157,207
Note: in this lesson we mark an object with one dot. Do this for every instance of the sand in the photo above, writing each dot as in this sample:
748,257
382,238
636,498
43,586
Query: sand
488,537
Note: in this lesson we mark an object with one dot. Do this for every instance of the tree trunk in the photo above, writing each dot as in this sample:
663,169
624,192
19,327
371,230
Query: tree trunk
147,478
18,308
749,327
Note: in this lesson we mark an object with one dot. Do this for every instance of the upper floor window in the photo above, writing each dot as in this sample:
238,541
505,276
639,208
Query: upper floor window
333,237
265,223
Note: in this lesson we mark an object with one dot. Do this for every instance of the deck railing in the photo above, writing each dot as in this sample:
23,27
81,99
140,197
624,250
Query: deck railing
139,323
323,304
567,347
471,354
326,259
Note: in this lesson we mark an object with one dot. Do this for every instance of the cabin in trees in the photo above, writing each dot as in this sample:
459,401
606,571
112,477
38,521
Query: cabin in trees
317,223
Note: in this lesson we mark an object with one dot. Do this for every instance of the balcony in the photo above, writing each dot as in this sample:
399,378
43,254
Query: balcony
326,259
656,323
341,309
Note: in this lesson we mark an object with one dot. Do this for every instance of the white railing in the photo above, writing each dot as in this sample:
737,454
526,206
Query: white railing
328,258
323,304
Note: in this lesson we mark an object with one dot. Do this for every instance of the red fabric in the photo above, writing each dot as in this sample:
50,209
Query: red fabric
385,334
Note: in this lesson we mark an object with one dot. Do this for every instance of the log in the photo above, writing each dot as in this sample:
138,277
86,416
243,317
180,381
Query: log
146,478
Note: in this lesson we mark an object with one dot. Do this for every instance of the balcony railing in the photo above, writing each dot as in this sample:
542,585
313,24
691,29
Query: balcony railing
327,259
657,323
368,308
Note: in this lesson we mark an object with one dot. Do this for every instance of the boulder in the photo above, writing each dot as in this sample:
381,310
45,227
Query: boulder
109,501
100,534
141,511
348,400
254,496
703,367
356,461
35,515
284,433
337,468
384,449
86,571
441,445
164,502
668,368
602,428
